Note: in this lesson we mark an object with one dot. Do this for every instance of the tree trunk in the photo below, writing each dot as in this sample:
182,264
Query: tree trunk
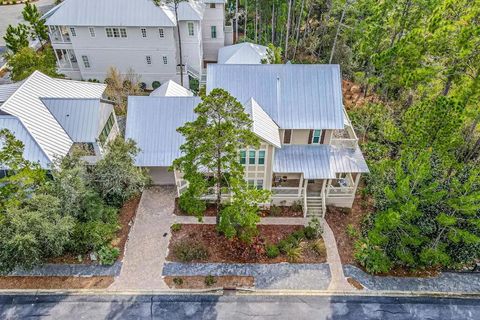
307,23
273,23
246,18
288,29
236,21
179,44
298,29
256,21
448,85
338,31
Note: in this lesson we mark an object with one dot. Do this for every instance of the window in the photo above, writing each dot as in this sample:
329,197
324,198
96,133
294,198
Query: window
86,62
109,32
190,29
116,32
107,129
259,184
251,183
123,32
165,60
144,32
251,157
213,32
243,157
160,31
287,136
316,136
261,157
149,59
73,32
92,32
212,5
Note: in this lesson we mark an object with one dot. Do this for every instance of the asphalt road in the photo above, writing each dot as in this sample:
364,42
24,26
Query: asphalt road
173,307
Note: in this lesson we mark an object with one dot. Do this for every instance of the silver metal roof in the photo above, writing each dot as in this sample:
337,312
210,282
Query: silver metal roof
6,90
263,126
153,121
82,119
242,53
26,105
318,162
32,151
171,89
295,96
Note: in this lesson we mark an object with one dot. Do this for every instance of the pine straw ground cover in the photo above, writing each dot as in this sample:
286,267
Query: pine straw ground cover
203,282
209,246
55,282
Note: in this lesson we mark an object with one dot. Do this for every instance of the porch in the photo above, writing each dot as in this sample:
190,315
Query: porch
66,60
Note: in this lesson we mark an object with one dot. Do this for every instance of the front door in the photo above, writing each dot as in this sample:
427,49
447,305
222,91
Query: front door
314,187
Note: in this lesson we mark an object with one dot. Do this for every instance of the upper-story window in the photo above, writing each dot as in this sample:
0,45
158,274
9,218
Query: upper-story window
123,32
86,62
92,32
116,32
144,32
316,136
165,60
213,32
212,5
161,33
149,59
251,156
191,31
107,129
243,157
261,157
287,136
73,32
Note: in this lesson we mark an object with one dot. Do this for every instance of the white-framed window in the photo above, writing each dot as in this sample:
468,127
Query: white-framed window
251,183
213,32
212,5
165,60
144,32
123,32
161,33
116,32
148,59
287,136
73,32
259,184
251,156
316,136
243,157
109,32
86,62
92,32
191,31
261,157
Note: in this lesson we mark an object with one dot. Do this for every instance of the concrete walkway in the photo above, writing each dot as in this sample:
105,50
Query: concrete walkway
148,242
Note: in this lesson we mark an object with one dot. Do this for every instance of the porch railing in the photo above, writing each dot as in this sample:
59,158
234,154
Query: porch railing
340,191
293,192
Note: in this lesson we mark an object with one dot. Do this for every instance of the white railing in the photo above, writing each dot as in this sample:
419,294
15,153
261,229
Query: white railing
344,143
293,192
324,205
305,208
340,191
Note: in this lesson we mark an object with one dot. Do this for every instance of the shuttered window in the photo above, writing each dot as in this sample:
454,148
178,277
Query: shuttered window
287,136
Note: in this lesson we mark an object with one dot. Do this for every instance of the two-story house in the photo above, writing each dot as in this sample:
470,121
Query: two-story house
90,36
309,151
53,117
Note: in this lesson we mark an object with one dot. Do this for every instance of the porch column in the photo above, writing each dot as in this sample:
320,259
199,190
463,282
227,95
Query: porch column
56,56
69,58
324,184
300,186
61,33
357,181
329,181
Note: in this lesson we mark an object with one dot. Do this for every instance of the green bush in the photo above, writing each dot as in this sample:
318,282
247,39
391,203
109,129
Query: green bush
272,251
294,254
107,255
178,281
274,210
319,247
310,233
191,205
372,258
297,206
314,229
188,251
352,232
299,235
155,84
210,280
176,227
91,235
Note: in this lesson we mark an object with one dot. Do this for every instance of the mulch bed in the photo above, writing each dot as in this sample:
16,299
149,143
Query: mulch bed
198,282
284,211
55,282
223,250
125,219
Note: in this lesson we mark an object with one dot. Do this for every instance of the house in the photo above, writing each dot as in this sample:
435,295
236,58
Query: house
90,36
53,117
242,53
309,151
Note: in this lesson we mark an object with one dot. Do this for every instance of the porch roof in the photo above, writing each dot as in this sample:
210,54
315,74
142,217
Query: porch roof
319,162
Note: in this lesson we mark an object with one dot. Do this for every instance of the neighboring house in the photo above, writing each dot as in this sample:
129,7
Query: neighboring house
53,117
242,53
309,150
90,36
171,89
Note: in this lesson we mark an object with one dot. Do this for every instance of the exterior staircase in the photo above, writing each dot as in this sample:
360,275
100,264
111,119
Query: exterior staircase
315,205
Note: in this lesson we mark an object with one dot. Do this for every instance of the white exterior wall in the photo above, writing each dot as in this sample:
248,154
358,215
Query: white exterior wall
213,17
192,50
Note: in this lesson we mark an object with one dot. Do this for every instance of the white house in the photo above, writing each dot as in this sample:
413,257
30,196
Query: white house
90,36
53,117
309,151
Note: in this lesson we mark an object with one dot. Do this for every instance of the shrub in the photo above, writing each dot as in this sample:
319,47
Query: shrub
315,229
107,255
176,227
209,280
310,232
178,281
283,245
319,247
155,84
274,210
191,205
351,231
91,235
372,258
297,206
187,251
143,85
299,235
294,254
272,251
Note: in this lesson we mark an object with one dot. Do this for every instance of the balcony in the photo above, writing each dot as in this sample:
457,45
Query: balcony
345,138
59,35
66,60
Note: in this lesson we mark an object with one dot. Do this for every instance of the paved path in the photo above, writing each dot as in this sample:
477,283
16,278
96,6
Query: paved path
148,242
241,307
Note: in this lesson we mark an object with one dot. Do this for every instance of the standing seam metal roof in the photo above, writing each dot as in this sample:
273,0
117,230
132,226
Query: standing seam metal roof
295,96
242,53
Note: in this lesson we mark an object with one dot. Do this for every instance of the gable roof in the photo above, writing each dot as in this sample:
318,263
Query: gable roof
242,53
32,151
188,10
153,121
171,89
26,105
263,126
6,90
115,13
82,119
295,96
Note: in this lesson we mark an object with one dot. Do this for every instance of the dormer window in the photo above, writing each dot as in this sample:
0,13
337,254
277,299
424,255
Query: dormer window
316,136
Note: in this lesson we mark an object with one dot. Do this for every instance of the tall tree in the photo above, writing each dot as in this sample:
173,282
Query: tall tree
16,38
26,61
38,29
287,32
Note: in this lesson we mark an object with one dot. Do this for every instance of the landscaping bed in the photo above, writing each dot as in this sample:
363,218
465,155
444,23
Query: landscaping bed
11,282
277,211
202,243
206,282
